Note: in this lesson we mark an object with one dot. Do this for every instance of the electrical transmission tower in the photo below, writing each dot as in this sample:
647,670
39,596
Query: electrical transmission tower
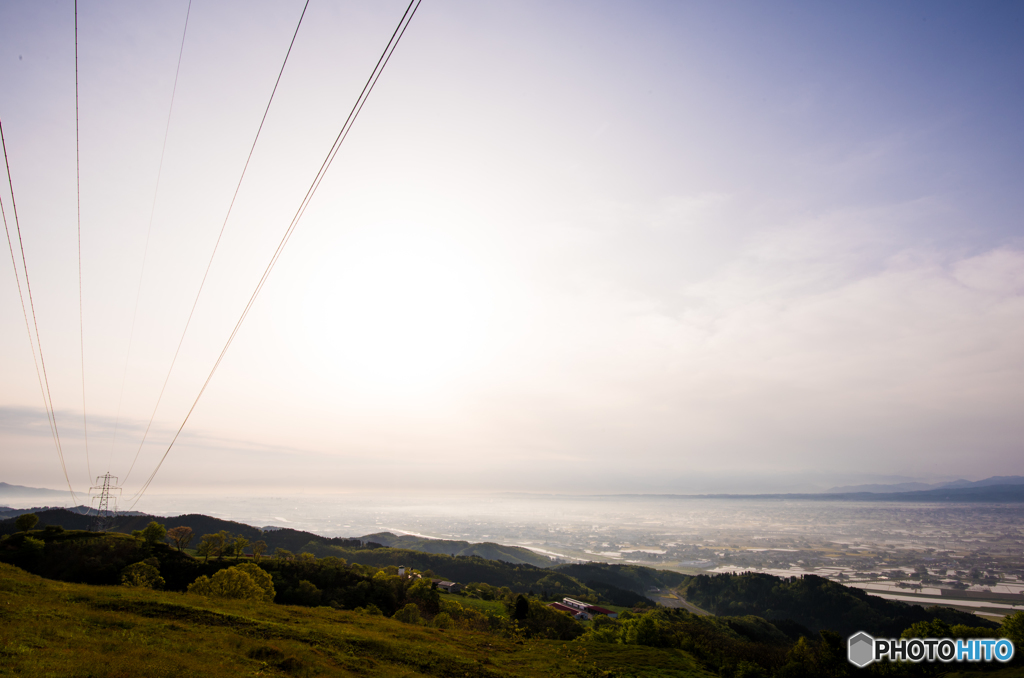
106,500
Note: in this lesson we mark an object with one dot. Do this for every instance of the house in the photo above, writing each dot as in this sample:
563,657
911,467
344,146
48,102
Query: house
576,614
577,604
580,606
447,586
594,609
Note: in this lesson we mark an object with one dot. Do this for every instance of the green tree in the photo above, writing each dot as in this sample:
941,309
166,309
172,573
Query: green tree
180,536
261,577
1013,629
26,521
306,593
936,628
283,554
642,630
426,597
154,533
205,549
240,544
144,575
213,544
746,669
258,547
228,583
34,547
410,614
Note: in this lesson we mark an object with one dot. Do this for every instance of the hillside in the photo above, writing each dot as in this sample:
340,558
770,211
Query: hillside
815,603
465,568
330,617
73,630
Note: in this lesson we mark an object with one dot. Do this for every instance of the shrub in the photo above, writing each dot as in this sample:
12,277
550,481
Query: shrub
33,546
143,575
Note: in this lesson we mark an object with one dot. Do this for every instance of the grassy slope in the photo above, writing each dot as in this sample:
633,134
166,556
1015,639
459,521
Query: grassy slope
493,606
50,628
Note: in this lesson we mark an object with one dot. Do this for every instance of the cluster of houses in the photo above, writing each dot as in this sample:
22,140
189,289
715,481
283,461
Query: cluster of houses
580,610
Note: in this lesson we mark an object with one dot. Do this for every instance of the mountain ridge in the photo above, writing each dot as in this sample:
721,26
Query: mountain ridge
881,488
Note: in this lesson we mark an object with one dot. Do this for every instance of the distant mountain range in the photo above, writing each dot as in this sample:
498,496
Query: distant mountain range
997,489
919,487
19,491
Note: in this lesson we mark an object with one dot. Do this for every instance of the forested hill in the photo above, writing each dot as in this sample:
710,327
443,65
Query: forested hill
814,602
292,540
491,551
617,584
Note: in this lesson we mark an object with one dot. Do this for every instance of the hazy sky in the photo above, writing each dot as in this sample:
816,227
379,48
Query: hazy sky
665,247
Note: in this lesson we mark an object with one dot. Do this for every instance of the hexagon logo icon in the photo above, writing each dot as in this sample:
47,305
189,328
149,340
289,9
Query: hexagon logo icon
861,649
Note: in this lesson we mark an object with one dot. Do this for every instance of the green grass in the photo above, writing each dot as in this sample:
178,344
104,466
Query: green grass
492,606
50,628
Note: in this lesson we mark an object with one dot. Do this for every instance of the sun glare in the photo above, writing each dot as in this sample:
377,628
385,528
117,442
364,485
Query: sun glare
397,310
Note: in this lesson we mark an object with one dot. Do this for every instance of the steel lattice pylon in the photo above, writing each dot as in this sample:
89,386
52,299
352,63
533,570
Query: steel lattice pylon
108,493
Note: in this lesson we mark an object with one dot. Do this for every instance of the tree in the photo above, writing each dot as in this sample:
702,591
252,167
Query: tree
214,544
261,577
232,582
154,533
142,575
26,521
258,547
410,614
205,549
306,593
180,536
642,630
425,595
521,609
283,554
240,544
1013,628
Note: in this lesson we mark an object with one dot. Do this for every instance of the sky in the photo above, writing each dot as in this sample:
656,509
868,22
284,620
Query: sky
578,247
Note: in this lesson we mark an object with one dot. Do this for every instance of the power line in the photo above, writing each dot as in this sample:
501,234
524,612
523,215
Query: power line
217,243
78,190
44,383
385,57
149,232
